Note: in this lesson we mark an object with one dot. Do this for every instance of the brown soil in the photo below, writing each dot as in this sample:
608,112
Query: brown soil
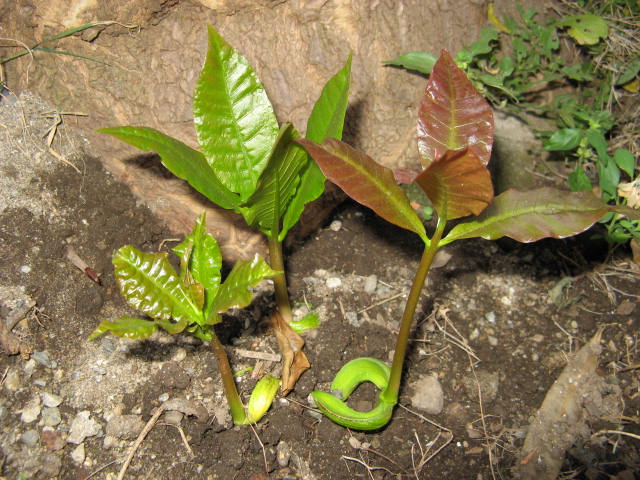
493,320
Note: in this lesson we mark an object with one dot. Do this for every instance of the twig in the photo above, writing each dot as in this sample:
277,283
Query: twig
145,431
382,302
100,469
484,424
618,432
185,442
268,357
75,259
264,453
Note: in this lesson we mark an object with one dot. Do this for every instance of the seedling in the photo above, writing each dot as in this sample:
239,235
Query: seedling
455,137
192,302
248,164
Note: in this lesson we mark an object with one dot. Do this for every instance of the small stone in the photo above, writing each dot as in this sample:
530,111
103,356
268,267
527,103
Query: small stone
78,455
43,359
370,284
333,282
51,416
163,397
493,341
83,427
125,427
3,412
321,273
173,417
52,439
31,412
51,465
12,380
428,394
30,438
489,383
29,367
335,226
25,269
179,355
283,454
172,376
474,335
490,316
51,400
537,338
108,345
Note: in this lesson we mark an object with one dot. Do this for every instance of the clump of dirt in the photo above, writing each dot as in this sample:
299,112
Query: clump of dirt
497,323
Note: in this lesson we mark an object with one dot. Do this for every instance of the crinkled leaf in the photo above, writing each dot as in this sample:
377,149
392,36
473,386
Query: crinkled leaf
277,184
204,260
530,216
421,62
630,72
586,29
453,115
294,361
234,291
366,181
127,327
149,283
183,161
458,184
234,119
326,120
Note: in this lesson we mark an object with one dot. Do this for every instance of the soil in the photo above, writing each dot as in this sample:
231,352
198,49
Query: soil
497,323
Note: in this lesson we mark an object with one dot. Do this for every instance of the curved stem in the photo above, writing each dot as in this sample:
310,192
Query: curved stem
238,413
279,280
390,394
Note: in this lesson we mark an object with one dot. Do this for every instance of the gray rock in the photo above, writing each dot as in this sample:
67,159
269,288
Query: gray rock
78,455
43,359
31,412
489,383
51,399
82,427
30,438
427,394
370,284
51,416
51,465
125,427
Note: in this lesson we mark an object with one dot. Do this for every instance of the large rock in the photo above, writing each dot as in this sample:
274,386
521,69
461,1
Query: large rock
155,50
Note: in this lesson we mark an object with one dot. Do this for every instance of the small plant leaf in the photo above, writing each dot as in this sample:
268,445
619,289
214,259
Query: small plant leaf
625,161
563,140
326,120
294,360
533,215
453,115
578,180
261,398
366,181
149,283
421,62
458,184
183,161
586,29
127,327
309,321
234,119
234,291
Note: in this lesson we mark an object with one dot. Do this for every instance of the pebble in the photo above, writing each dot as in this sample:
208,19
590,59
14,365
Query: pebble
428,395
538,337
78,455
493,341
333,282
12,380
108,346
163,397
51,416
335,226
173,417
283,454
3,412
31,412
43,359
51,465
179,355
83,427
29,367
489,384
30,438
352,318
51,400
370,284
52,439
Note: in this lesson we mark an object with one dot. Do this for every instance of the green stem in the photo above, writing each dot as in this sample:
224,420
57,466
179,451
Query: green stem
238,413
390,394
279,280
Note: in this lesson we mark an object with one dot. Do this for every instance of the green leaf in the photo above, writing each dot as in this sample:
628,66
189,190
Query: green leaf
530,216
277,184
309,321
586,29
262,397
564,140
458,184
326,120
205,260
484,45
149,283
625,161
578,180
366,181
234,119
234,291
183,161
608,178
453,115
127,327
630,72
596,140
421,62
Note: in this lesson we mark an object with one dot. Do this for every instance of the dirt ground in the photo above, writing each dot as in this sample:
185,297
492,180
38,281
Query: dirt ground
498,322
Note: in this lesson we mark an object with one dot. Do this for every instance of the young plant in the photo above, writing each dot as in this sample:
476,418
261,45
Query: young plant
455,136
192,302
248,164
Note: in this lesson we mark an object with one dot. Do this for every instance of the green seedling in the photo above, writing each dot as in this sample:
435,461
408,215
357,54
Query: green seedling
455,137
248,164
191,301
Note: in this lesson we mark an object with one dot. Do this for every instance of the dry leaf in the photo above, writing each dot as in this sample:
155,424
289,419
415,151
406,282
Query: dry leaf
294,361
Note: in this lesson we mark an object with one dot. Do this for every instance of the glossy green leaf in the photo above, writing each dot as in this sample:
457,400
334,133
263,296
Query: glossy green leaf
625,161
262,397
533,215
563,140
578,180
277,185
421,62
234,291
183,161
586,29
458,184
326,121
309,321
234,119
366,181
127,327
453,115
150,284
204,260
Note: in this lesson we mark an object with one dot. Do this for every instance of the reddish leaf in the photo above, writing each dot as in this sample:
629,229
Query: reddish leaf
533,215
453,114
457,183
366,181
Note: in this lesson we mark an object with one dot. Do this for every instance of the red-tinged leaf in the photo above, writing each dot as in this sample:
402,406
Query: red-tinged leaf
366,181
453,114
458,184
533,215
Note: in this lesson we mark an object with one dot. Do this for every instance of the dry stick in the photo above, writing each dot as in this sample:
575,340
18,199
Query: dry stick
619,432
441,427
145,431
382,302
185,442
264,454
